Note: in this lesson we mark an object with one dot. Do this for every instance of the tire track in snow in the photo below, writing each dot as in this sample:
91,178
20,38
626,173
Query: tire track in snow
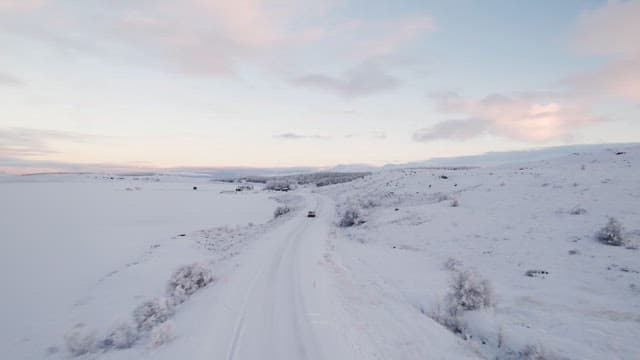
276,285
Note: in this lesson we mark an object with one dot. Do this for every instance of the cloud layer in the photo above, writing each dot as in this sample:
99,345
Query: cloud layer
294,136
520,118
612,32
365,79
9,80
23,142
216,37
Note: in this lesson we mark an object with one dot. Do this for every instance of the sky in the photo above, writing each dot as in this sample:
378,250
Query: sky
217,83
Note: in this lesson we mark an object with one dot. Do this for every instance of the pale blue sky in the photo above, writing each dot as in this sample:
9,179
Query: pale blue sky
291,83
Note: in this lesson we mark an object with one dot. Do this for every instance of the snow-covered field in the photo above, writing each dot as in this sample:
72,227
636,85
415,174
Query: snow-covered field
76,249
521,237
499,223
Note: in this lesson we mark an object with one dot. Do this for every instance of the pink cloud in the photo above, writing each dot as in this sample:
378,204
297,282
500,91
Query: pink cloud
204,36
613,32
15,6
216,37
246,22
612,29
620,79
519,118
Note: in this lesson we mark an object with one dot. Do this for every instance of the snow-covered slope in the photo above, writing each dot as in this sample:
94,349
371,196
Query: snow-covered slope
533,282
424,226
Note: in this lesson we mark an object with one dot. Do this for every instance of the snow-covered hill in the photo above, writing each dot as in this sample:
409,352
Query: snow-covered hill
528,229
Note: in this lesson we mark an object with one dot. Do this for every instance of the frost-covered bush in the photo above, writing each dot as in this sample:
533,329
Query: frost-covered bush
325,179
280,185
280,210
351,217
529,352
469,292
611,234
577,211
368,203
151,313
450,321
80,340
186,281
121,336
453,264
161,334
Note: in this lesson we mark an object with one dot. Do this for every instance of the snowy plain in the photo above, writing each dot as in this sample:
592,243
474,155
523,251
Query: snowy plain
88,249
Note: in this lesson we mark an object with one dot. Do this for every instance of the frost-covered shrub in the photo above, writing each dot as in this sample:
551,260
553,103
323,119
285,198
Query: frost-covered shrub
325,179
611,234
450,321
536,273
469,292
121,336
280,185
161,334
80,340
577,211
280,210
453,264
151,313
351,217
532,352
186,281
368,203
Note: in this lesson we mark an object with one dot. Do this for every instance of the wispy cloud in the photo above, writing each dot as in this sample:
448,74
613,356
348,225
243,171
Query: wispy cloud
204,36
218,37
455,129
376,135
365,79
17,6
519,118
613,32
395,34
24,142
375,46
10,80
619,79
294,136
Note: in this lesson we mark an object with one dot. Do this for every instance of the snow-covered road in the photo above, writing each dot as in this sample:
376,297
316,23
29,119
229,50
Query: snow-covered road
281,303
289,296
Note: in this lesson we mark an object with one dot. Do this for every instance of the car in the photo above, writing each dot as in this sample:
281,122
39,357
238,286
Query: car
311,214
